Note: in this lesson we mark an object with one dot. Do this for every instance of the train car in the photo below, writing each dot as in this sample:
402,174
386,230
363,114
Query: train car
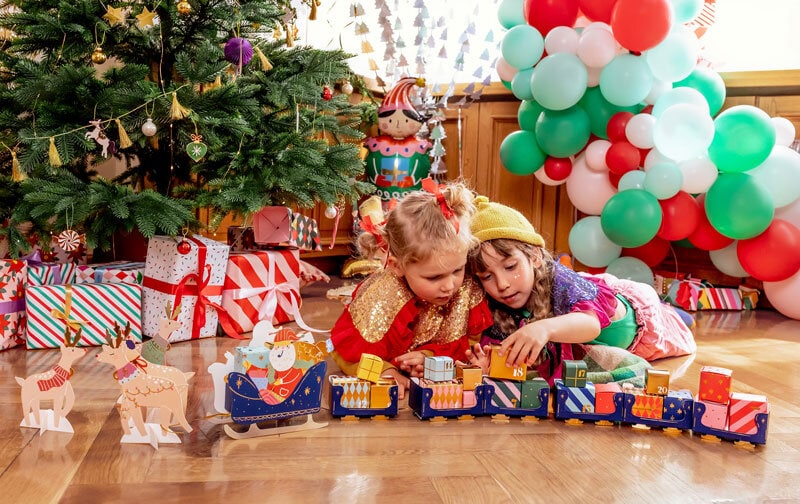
420,397
672,411
759,437
579,404
499,406
346,404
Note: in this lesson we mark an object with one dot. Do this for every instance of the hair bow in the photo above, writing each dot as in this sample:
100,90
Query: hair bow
372,228
429,185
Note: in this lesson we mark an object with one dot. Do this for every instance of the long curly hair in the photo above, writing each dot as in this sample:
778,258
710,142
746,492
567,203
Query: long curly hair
416,228
540,260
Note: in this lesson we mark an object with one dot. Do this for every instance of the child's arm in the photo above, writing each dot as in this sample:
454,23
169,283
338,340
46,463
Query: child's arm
524,345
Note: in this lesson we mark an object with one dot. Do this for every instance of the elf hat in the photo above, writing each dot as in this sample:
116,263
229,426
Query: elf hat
494,220
397,98
285,337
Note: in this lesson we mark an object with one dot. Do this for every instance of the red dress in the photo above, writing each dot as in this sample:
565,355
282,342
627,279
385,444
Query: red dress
386,319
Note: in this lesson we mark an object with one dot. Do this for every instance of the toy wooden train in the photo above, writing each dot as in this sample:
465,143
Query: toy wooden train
715,413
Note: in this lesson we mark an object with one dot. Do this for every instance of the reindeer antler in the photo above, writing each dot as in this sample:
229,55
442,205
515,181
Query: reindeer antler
116,340
71,341
173,314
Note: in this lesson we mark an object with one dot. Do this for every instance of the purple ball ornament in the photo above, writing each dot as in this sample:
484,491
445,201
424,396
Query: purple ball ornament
238,51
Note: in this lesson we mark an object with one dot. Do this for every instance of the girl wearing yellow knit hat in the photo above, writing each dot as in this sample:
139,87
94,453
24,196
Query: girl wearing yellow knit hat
541,306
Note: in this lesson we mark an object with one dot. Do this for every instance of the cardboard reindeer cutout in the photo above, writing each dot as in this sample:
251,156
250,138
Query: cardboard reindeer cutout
52,385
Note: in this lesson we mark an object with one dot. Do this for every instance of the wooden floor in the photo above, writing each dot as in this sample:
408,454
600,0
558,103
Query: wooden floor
406,459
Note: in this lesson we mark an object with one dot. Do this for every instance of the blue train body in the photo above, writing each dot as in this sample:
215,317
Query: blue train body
339,410
419,399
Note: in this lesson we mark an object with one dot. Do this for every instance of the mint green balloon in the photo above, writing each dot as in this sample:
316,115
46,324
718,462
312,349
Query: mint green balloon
710,85
631,268
686,10
590,245
626,80
600,110
510,13
528,114
522,46
743,138
521,84
663,180
559,81
739,206
631,218
520,153
562,133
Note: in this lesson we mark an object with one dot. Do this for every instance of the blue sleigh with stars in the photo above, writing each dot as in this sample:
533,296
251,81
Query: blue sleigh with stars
246,407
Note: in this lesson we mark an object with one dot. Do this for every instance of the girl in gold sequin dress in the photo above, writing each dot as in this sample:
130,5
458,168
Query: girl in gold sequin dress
420,304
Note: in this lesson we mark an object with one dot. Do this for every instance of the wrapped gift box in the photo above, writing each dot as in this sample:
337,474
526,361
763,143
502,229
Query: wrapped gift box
648,406
261,285
604,397
13,281
715,384
445,395
529,396
438,369
50,273
111,272
356,391
92,307
719,298
749,297
279,226
674,403
656,381
379,393
742,411
499,370
370,368
715,416
194,280
506,392
575,373
580,399
245,357
470,376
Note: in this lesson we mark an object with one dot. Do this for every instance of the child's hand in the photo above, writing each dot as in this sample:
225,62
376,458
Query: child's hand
412,363
403,382
480,356
523,345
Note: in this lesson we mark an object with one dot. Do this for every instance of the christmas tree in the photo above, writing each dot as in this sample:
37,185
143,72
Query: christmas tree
206,103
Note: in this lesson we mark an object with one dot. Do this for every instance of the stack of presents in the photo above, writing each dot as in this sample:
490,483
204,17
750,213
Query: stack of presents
692,294
216,284
726,410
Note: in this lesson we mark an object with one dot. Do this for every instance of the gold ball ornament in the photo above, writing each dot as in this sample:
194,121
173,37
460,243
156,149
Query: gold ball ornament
184,8
98,56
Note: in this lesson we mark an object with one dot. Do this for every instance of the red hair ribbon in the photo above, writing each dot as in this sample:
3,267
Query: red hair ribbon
372,228
429,185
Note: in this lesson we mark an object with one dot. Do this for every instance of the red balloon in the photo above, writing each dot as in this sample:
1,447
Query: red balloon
639,25
622,157
615,128
771,256
544,15
651,253
557,168
614,178
705,237
597,10
681,216
593,270
643,155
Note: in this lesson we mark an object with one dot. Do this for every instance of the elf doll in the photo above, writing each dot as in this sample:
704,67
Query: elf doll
397,160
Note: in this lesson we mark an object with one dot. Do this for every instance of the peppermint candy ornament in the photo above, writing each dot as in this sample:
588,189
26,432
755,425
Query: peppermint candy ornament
68,240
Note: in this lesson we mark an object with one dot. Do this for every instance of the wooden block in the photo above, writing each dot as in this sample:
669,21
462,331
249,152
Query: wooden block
499,370
370,368
656,381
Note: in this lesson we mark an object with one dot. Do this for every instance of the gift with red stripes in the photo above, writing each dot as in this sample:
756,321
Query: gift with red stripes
262,285
719,298
742,411
111,272
188,271
92,308
13,280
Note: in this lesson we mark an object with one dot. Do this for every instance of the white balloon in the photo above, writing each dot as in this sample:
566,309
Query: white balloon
588,190
784,131
639,130
654,157
561,39
596,155
656,90
684,131
678,95
783,295
780,174
699,173
790,213
597,24
596,48
542,177
726,260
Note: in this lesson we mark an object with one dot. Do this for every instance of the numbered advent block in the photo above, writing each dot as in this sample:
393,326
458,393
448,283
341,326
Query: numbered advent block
575,373
529,398
656,381
438,369
370,368
470,377
499,370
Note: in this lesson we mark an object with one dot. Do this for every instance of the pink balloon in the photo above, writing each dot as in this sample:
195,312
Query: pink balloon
783,295
639,25
588,190
505,71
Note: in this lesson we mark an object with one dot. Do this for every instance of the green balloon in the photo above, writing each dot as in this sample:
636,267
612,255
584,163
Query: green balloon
743,139
709,83
739,206
510,13
507,84
600,110
520,153
528,114
562,133
631,218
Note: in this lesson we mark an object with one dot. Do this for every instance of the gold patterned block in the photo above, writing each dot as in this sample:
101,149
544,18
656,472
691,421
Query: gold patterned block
499,370
445,395
370,368
470,377
656,381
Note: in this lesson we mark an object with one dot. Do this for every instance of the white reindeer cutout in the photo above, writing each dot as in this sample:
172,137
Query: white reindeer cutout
98,135
155,350
52,385
144,384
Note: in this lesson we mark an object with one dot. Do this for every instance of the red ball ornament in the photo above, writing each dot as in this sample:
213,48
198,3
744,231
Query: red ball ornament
327,94
184,247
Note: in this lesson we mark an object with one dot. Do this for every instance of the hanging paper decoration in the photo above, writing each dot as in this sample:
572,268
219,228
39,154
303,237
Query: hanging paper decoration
196,149
238,51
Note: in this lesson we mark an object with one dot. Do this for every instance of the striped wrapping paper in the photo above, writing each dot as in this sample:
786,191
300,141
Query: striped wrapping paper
580,399
51,273
720,298
742,412
506,392
262,285
93,307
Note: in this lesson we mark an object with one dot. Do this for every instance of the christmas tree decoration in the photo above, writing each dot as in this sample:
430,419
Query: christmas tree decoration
184,8
184,247
331,212
124,139
265,64
146,19
98,135
196,149
347,87
52,153
69,240
326,94
177,111
149,127
98,56
312,15
238,51
114,16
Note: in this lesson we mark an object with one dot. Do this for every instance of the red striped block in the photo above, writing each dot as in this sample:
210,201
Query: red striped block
720,298
13,281
94,307
742,412
262,285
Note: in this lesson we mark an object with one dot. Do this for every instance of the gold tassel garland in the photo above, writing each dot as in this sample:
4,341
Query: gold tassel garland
265,64
313,15
178,111
124,139
16,173
289,36
55,159
366,47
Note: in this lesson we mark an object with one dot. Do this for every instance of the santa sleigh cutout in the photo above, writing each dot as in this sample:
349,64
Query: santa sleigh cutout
269,381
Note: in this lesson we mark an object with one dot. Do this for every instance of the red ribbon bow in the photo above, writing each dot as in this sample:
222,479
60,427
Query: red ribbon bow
372,228
429,185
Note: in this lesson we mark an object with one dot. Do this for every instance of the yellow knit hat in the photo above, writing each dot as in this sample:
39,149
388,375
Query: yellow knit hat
493,220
